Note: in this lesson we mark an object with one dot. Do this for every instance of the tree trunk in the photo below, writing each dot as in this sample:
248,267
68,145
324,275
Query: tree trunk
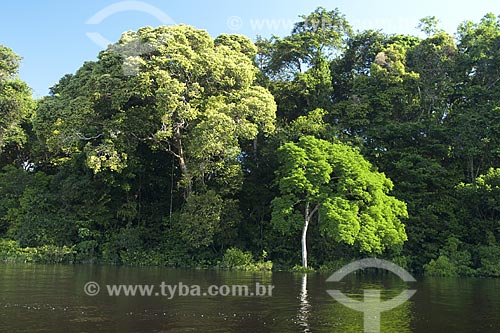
186,177
304,236
182,164
307,219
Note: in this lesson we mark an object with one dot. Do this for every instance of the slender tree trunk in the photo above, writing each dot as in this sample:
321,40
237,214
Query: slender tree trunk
186,177
304,236
182,164
307,219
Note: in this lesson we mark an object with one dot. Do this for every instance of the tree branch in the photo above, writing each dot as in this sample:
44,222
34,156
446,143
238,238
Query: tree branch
315,209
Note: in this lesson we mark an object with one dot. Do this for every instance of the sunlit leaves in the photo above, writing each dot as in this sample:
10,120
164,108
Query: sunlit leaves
354,200
188,95
16,103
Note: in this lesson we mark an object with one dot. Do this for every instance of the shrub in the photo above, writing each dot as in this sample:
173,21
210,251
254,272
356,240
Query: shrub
87,251
236,259
442,266
489,257
302,269
452,261
10,251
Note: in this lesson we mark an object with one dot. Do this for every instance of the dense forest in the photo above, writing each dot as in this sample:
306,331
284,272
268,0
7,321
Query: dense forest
305,151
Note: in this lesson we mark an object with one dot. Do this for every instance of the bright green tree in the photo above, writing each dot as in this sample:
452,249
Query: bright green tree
335,184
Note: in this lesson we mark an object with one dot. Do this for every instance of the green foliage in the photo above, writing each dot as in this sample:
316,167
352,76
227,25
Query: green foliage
332,266
452,261
144,258
489,257
298,64
38,220
442,266
429,25
16,106
87,251
237,259
481,207
9,63
10,251
352,199
175,148
302,269
190,96
31,212
205,218
12,184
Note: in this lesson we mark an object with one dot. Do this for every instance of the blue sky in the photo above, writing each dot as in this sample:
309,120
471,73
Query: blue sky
52,35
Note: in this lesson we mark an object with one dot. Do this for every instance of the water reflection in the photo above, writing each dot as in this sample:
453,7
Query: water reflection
370,291
37,298
304,305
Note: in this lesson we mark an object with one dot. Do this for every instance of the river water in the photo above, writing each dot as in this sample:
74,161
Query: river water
52,298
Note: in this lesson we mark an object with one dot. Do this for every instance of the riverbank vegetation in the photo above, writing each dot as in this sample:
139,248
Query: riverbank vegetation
177,149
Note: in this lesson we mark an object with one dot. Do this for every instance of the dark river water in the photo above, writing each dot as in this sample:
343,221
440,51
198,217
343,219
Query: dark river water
52,298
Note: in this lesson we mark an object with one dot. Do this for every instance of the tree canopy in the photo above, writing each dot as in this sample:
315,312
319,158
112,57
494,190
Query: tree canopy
333,182
190,95
327,144
16,106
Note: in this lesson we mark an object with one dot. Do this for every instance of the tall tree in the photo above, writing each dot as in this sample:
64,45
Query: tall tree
186,94
335,184
298,65
475,116
16,105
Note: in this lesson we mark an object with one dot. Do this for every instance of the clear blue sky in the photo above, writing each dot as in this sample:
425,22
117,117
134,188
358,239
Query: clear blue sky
51,35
